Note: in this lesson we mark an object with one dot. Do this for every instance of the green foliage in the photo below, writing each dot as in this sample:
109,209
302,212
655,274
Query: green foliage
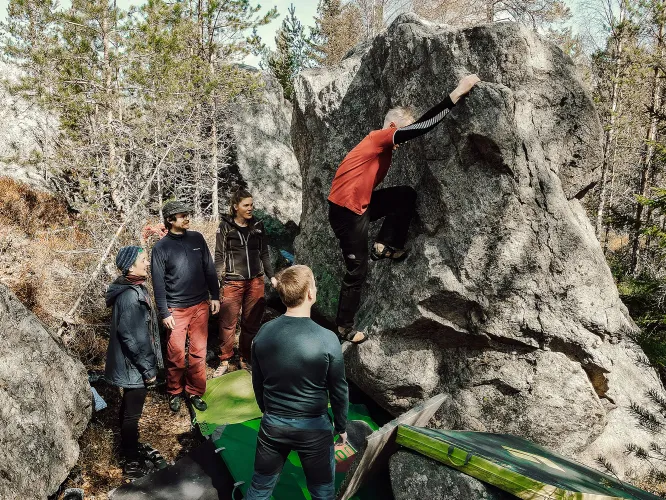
645,297
279,235
290,55
328,290
653,419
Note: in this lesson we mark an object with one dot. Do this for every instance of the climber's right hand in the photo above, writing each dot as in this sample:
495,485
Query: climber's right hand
464,86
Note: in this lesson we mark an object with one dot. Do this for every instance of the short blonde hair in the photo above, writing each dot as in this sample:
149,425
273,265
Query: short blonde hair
400,115
293,284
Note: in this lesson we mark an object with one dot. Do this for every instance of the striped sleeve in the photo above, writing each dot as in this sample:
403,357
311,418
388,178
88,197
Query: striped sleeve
424,124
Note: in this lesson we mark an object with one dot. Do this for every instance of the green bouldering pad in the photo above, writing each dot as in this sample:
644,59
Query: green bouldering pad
230,400
516,465
236,445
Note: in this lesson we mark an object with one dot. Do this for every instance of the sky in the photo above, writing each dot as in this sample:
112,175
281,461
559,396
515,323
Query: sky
305,12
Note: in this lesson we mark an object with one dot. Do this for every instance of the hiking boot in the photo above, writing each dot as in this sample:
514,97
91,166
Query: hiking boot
221,370
152,455
198,403
135,469
175,402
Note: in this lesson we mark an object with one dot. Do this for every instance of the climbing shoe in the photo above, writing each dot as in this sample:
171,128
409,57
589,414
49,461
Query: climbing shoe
198,403
152,455
135,469
351,335
175,402
222,369
388,252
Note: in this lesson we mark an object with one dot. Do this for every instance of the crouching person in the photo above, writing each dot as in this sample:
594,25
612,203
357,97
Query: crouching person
297,366
133,355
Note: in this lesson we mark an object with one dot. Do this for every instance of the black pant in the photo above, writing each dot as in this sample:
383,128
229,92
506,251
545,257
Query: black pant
315,451
396,205
130,413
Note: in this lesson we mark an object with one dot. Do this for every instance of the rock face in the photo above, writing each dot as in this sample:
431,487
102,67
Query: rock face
45,405
416,476
26,131
506,302
264,155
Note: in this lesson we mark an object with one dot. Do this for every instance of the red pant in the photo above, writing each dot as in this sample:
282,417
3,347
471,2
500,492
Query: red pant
193,322
247,295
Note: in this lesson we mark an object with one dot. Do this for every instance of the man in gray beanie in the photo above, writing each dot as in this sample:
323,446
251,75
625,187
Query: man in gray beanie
185,283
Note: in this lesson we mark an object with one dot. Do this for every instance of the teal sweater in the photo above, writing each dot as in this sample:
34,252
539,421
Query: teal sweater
297,366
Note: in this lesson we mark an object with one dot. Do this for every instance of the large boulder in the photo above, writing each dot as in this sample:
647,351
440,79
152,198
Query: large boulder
45,405
506,302
263,153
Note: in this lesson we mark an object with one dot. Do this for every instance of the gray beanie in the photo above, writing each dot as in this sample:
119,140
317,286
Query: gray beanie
127,257
175,207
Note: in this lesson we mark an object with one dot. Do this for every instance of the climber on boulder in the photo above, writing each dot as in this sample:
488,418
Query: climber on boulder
353,204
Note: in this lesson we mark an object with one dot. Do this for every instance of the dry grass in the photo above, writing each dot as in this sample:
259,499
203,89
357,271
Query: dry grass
32,210
653,486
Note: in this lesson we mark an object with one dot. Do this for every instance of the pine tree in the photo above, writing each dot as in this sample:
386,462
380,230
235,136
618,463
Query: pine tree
290,55
337,29
29,40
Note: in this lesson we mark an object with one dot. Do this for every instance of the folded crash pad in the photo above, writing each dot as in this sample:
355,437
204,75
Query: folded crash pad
517,465
230,400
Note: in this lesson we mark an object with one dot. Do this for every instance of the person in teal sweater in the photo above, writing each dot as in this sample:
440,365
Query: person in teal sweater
297,367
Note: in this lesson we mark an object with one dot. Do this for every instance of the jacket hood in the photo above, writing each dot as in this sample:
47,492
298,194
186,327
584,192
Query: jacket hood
116,288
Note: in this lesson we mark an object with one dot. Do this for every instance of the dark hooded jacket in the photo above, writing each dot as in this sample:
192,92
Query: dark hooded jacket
239,257
134,352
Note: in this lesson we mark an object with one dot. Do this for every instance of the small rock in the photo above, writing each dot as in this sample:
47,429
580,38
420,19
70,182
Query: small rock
416,476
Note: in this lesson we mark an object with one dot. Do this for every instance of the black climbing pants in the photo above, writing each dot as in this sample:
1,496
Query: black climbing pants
130,413
311,438
396,205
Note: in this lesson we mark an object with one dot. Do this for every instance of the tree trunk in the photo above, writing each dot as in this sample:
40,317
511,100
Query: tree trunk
159,179
115,177
609,135
215,202
610,197
197,183
647,157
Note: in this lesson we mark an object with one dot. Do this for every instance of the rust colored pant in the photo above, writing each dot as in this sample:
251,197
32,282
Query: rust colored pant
193,322
246,296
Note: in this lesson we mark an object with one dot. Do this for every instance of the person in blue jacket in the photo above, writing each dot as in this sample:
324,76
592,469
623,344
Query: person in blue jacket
134,355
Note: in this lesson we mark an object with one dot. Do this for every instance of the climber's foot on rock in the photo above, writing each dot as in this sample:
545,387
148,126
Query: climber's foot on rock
351,335
381,251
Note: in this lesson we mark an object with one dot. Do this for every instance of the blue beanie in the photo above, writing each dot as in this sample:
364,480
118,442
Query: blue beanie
127,257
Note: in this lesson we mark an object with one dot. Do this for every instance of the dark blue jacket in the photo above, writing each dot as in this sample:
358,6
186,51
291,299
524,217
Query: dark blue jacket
183,272
134,352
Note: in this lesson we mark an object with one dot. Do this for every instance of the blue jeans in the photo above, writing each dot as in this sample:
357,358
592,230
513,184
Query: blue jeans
311,438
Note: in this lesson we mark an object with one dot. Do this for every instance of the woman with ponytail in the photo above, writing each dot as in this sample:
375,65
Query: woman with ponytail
241,260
